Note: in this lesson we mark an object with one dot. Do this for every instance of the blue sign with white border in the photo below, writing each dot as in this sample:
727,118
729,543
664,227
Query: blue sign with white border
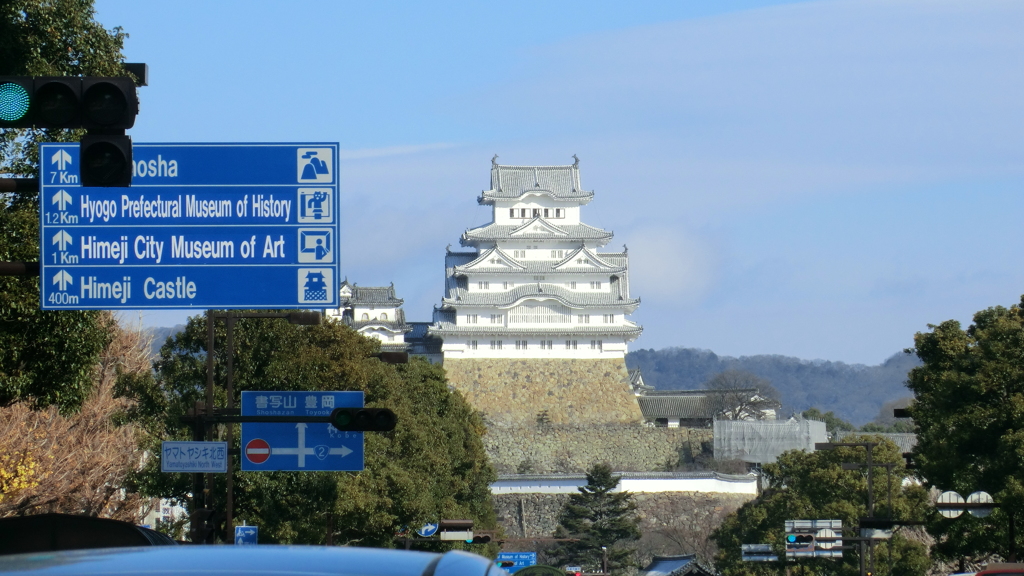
202,226
194,456
428,529
247,535
520,559
299,446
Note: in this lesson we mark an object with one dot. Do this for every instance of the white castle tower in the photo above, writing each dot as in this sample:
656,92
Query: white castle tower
535,285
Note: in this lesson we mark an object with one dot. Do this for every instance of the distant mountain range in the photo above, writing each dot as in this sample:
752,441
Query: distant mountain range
855,392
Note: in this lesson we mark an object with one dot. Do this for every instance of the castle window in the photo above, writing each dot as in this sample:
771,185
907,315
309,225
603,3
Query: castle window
511,212
571,285
383,315
365,316
522,213
545,344
583,319
538,278
495,344
521,345
608,318
536,212
545,212
595,285
597,345
471,318
497,318
483,285
559,213
570,344
471,344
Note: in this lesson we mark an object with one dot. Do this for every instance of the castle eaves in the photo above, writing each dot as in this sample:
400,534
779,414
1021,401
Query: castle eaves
512,182
570,233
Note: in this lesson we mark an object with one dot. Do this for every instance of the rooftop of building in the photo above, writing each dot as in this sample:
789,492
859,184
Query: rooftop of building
536,229
370,295
511,182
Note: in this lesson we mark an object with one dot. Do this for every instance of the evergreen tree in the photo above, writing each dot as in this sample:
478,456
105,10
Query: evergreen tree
598,517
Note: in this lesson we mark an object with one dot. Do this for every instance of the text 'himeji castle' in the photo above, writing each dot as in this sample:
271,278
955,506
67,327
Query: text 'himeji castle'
535,284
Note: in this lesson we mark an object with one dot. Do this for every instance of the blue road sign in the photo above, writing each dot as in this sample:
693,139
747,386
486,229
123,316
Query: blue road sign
185,456
247,535
299,447
521,559
202,226
428,529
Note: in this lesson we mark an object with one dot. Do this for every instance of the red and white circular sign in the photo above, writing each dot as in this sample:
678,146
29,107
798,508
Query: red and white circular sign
257,451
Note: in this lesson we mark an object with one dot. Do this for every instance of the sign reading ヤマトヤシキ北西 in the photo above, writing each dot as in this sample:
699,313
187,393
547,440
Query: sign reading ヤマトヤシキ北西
202,226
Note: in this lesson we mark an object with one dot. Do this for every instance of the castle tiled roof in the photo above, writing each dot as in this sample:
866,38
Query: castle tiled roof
686,404
614,298
615,262
534,230
511,182
374,295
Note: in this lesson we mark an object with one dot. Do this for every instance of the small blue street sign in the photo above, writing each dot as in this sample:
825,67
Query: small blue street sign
521,559
194,457
299,447
247,535
428,530
202,226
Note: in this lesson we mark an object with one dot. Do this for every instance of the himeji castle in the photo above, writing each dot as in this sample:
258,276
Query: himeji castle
535,284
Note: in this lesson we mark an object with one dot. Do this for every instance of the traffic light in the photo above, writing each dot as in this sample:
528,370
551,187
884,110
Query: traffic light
363,419
201,526
105,106
799,542
479,539
97,103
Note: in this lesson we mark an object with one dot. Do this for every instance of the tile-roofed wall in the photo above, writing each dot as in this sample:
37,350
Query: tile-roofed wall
375,295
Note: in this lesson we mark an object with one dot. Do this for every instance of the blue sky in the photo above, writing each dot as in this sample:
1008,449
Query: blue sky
819,179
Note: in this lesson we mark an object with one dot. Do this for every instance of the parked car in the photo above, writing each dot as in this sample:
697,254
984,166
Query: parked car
1001,570
261,560
46,532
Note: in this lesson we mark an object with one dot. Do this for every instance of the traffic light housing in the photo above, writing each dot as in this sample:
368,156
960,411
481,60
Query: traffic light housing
201,526
363,419
105,106
96,103
479,539
797,542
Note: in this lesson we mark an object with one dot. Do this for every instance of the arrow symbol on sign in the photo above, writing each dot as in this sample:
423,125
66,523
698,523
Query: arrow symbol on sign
62,239
343,451
62,279
61,159
61,199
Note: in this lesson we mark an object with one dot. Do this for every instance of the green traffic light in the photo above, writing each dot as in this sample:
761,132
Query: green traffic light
14,102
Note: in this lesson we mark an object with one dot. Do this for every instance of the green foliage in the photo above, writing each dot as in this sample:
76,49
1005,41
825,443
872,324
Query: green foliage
598,517
969,402
432,466
46,356
813,486
832,422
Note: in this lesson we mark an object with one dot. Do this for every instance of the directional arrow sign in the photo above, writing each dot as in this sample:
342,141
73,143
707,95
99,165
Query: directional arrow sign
61,159
302,446
61,198
247,535
62,279
62,239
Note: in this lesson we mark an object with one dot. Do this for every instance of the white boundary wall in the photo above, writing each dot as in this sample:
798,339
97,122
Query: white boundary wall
628,482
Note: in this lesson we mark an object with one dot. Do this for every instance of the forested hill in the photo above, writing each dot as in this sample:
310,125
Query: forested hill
855,392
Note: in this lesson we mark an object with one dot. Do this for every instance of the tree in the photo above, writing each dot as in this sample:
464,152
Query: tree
808,486
969,411
598,517
432,466
44,356
742,395
76,464
832,422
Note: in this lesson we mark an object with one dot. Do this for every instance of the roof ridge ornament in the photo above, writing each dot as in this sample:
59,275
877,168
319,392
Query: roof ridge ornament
494,161
575,164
